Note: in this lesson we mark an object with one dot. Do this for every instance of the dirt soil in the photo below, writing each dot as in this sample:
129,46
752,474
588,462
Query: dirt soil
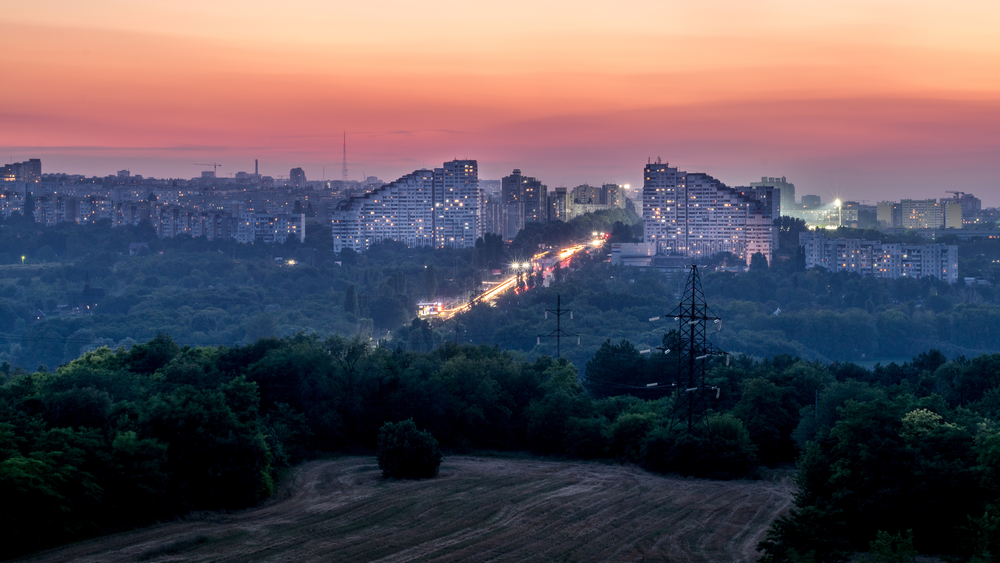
478,509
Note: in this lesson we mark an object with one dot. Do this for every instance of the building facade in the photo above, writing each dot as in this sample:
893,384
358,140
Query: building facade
457,203
526,199
29,171
560,205
922,214
872,258
440,208
953,214
271,227
402,211
693,214
784,187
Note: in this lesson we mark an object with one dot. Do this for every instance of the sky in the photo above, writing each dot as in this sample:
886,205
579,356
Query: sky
861,100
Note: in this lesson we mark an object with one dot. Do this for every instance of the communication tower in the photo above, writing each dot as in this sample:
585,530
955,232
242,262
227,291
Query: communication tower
343,169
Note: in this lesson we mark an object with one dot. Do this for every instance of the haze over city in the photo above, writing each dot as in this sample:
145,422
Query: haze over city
644,280
858,100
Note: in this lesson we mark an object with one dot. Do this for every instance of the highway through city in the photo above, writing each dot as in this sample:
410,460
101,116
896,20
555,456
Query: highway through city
543,262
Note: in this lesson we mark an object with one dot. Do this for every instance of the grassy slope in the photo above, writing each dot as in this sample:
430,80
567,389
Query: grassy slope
481,509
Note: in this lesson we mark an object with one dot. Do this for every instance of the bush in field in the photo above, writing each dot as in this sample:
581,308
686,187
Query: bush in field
407,453
720,448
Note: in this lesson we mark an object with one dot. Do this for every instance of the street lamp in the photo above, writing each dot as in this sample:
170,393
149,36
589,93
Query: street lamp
840,212
22,260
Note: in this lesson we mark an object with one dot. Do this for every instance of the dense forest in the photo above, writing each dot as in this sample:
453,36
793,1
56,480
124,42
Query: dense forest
280,353
211,293
116,439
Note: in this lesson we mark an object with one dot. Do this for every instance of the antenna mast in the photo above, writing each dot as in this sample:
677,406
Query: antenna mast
343,170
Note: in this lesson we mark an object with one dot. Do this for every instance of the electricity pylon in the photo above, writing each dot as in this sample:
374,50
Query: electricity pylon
693,351
558,333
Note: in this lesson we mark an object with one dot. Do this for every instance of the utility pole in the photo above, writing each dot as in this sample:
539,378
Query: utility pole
558,333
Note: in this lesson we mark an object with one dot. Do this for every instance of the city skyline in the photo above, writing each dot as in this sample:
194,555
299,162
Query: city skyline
845,99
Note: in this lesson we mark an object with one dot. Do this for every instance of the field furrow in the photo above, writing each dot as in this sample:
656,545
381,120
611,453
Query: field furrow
478,509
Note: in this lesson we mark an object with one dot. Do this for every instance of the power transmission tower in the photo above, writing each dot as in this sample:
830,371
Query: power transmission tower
693,349
558,333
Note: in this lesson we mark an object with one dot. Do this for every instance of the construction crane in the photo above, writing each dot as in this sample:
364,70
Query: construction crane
215,166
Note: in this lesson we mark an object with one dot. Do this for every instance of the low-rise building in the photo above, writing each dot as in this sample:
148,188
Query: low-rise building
873,258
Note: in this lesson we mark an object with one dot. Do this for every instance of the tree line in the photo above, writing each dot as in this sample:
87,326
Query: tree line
118,438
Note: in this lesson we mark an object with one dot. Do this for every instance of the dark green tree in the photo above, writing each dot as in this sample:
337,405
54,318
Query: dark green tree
404,452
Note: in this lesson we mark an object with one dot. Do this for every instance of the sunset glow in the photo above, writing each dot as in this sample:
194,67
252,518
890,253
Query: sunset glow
840,97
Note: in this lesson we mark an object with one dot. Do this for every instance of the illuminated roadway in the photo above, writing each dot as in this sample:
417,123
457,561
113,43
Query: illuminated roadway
509,283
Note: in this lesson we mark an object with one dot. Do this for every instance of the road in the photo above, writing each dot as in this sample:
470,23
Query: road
539,263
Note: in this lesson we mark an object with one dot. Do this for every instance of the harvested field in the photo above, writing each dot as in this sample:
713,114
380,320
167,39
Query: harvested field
478,509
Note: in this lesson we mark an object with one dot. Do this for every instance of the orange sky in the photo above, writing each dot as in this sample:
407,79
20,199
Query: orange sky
861,100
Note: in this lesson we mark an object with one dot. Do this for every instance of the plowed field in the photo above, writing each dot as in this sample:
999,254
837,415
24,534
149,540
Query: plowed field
478,509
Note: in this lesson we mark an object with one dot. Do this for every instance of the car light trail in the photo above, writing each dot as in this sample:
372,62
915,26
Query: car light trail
507,284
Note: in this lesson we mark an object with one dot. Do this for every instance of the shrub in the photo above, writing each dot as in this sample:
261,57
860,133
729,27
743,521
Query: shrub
407,453
719,448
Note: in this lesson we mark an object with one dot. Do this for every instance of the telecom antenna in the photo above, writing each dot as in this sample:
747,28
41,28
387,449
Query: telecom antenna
693,350
558,333
343,170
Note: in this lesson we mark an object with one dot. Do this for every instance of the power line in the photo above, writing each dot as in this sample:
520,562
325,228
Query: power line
558,333
693,347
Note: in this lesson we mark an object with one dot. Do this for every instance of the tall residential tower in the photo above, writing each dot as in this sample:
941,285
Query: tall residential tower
439,208
694,214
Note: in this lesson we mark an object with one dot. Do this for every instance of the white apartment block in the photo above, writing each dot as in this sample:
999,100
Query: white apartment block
872,258
457,203
922,214
442,209
399,211
693,214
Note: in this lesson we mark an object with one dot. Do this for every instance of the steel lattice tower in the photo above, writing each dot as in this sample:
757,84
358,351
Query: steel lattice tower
343,169
693,317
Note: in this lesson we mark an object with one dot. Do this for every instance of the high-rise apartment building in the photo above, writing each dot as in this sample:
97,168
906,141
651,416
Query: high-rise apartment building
890,214
693,214
613,195
29,171
587,195
439,208
922,214
402,211
526,199
971,205
297,178
786,188
559,205
953,213
493,215
457,202
491,188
